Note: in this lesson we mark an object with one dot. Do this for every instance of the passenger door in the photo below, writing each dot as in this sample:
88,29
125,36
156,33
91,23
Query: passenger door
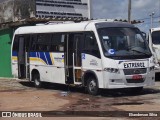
77,65
73,61
23,59
69,59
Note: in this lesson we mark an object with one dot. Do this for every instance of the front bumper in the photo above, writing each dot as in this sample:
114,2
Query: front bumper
125,81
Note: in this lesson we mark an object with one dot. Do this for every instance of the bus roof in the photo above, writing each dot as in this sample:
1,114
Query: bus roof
155,29
69,27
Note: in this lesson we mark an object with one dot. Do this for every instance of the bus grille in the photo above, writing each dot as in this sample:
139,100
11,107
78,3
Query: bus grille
135,81
135,71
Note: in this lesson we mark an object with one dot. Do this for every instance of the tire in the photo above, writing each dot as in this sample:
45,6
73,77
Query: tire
37,82
92,86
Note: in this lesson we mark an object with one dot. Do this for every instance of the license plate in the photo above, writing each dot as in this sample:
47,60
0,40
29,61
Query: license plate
137,77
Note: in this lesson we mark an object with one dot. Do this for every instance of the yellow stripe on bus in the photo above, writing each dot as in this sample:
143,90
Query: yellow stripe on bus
51,56
31,59
14,58
37,59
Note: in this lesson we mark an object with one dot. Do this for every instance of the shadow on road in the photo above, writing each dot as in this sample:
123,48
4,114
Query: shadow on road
127,92
103,93
54,86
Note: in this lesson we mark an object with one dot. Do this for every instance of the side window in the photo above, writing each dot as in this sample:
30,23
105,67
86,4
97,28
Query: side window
44,42
33,42
16,43
27,42
90,45
17,39
40,45
57,42
47,42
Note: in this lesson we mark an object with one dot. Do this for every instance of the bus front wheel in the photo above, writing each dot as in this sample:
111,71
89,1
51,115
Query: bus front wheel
37,82
92,86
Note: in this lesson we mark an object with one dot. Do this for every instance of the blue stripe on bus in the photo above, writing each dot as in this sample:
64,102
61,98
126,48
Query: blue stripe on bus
32,54
45,56
42,56
48,58
14,53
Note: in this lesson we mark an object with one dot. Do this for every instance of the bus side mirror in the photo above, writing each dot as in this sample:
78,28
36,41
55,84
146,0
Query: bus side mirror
92,41
144,34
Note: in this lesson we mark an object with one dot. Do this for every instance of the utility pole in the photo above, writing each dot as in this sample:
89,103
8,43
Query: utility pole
89,9
151,15
159,10
129,11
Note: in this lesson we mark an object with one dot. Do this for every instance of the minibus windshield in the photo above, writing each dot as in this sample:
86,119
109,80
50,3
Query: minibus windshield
123,42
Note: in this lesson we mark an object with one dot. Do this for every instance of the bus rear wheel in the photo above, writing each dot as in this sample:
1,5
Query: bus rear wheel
92,86
37,82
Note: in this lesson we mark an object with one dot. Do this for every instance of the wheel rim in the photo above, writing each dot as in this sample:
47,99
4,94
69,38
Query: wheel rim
92,86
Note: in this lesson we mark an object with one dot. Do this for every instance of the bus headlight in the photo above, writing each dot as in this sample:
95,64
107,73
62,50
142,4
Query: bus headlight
111,70
154,60
151,68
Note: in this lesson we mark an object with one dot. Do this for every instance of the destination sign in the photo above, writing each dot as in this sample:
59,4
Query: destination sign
134,65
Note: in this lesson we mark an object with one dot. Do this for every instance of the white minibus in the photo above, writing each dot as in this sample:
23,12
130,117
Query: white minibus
96,54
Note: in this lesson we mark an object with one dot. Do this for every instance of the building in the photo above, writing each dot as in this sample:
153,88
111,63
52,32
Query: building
15,10
62,8
15,13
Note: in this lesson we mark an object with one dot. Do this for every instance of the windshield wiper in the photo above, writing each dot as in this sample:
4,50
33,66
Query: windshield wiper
140,52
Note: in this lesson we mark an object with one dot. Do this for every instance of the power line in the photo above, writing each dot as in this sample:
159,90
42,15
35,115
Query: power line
148,18
149,22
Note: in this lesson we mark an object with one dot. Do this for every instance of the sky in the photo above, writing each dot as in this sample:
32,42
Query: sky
118,9
2,1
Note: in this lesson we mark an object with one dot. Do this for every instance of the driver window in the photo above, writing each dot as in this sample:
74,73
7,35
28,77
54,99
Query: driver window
90,45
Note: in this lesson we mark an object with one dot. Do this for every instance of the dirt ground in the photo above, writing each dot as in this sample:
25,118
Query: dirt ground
20,95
